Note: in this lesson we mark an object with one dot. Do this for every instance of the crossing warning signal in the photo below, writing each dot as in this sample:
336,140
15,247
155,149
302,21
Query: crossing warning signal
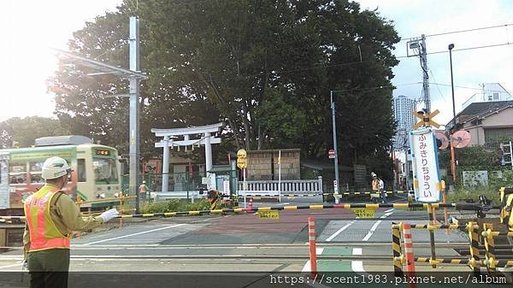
426,119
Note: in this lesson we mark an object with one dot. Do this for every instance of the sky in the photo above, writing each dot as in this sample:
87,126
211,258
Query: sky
31,28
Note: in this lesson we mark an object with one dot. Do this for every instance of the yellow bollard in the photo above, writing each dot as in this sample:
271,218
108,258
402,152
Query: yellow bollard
489,244
474,262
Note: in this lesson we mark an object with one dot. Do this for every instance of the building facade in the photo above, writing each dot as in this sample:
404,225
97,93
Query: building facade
490,92
403,114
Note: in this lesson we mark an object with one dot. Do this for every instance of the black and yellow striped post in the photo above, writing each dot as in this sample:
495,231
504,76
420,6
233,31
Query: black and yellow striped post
431,228
443,260
396,250
474,262
489,244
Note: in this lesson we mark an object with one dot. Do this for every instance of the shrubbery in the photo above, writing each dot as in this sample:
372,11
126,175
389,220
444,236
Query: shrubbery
175,205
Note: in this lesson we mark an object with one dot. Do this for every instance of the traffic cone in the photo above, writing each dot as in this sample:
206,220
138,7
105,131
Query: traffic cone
250,204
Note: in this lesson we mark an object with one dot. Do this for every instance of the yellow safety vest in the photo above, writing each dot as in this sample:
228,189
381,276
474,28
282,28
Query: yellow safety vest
44,234
375,185
142,188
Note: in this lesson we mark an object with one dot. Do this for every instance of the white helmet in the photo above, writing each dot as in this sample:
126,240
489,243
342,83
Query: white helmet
373,174
55,167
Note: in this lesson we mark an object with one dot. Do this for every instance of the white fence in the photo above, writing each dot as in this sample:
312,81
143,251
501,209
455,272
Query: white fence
276,188
192,195
262,188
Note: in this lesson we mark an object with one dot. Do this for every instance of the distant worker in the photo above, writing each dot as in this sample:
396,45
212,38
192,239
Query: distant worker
143,190
378,188
382,191
51,217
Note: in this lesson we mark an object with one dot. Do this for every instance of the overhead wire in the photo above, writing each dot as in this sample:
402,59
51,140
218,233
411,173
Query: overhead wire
460,31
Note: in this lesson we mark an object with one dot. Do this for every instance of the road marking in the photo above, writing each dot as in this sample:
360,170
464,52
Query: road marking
307,266
357,266
339,231
134,234
371,231
12,265
387,213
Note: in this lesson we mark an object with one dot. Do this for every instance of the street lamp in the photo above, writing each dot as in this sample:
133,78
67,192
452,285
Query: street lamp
453,157
336,183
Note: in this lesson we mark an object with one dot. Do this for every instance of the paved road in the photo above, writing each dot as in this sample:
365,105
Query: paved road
248,243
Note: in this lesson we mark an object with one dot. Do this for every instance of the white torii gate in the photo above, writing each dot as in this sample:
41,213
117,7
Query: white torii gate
169,141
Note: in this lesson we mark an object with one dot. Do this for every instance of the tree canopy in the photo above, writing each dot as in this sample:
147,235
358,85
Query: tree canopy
21,132
265,68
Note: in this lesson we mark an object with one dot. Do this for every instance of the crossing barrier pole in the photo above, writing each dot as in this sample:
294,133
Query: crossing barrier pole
444,201
474,262
312,245
396,250
432,235
408,252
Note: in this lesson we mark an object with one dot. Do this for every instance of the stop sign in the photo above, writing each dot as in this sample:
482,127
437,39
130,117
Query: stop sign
331,154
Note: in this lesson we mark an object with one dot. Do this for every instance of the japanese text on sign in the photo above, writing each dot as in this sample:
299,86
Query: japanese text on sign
425,165
269,214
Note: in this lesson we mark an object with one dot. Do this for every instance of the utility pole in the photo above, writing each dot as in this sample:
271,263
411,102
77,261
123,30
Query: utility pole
419,49
134,76
337,182
425,75
134,112
453,152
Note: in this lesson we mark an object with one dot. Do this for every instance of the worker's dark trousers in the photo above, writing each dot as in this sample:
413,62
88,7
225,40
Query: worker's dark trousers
49,268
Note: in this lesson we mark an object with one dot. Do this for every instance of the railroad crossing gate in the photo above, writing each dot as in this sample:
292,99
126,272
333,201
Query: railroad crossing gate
426,175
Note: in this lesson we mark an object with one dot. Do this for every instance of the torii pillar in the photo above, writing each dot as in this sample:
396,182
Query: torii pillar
170,135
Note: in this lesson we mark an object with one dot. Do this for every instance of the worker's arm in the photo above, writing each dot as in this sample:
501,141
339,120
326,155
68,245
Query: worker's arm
69,216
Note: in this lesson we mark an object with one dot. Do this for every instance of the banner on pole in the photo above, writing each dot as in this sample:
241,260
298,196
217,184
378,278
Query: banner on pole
426,175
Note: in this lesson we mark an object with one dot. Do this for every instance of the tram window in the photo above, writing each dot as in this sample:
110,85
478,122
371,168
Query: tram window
36,166
81,170
36,178
18,173
18,179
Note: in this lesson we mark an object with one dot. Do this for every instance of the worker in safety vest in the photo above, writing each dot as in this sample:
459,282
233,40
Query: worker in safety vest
143,190
51,217
378,188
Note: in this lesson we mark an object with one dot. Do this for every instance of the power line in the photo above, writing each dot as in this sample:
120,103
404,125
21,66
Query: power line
460,31
472,88
462,49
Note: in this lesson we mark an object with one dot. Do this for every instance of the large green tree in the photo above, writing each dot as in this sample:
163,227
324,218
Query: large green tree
21,132
265,67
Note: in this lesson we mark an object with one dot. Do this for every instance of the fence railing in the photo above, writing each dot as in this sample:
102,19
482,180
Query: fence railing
270,187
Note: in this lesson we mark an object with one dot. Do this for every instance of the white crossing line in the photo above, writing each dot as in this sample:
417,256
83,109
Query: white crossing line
307,267
12,265
357,266
134,234
371,231
339,231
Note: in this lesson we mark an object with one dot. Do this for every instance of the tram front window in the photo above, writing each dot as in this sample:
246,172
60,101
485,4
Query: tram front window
105,170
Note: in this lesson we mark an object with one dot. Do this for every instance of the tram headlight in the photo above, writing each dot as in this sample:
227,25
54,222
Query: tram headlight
101,196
